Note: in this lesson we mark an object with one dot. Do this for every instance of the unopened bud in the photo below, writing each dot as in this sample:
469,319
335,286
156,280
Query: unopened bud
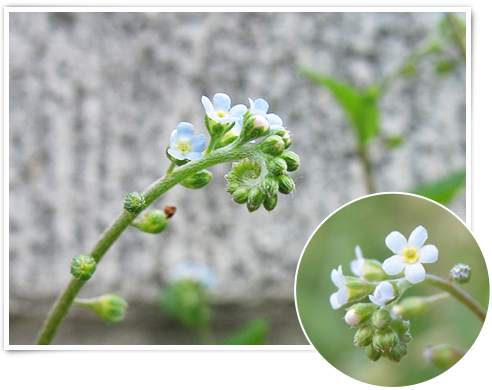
255,199
292,159
110,307
260,122
273,145
134,202
372,353
385,339
240,195
364,336
285,135
411,307
443,356
154,222
352,318
373,271
363,311
400,326
270,202
461,273
277,166
269,186
83,266
285,184
397,353
197,180
381,318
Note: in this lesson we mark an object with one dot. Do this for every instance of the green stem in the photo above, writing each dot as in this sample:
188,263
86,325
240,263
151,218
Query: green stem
457,293
113,232
368,169
170,169
458,36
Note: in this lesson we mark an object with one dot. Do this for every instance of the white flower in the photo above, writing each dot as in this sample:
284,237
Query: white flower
339,298
384,293
357,266
220,111
183,145
409,255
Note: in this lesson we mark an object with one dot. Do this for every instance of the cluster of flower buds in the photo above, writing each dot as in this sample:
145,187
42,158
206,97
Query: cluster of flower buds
110,307
83,266
378,332
155,221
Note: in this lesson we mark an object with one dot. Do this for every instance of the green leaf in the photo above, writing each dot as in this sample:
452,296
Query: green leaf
254,332
359,106
444,67
444,190
394,142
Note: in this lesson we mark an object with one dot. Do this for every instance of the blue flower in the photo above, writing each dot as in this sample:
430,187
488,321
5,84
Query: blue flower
184,145
220,111
260,107
191,270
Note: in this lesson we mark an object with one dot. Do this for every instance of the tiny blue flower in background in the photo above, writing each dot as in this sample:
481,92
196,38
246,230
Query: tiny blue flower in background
260,107
184,145
339,298
384,293
220,111
192,270
409,255
357,266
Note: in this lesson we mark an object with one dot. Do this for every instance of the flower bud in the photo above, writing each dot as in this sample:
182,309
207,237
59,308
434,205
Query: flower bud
270,202
83,266
411,307
364,336
400,326
292,159
363,310
269,186
461,273
285,135
385,339
154,222
373,271
443,356
277,166
255,199
197,180
260,122
397,353
285,184
110,307
240,196
273,145
372,353
352,318
381,318
134,202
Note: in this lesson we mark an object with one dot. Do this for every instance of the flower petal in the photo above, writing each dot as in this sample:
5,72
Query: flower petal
222,102
174,153
207,104
185,131
415,273
357,267
358,252
237,111
394,265
252,104
274,120
343,295
193,155
373,299
335,278
334,301
261,105
396,242
387,290
428,254
418,237
173,138
198,143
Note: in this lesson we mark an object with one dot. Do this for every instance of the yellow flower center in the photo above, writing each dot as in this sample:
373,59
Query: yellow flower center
183,147
221,114
411,255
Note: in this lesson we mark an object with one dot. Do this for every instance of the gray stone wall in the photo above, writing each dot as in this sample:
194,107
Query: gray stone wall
94,97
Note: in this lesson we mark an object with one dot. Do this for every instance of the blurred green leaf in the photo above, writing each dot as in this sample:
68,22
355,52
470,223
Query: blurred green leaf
394,142
443,190
254,332
445,67
360,107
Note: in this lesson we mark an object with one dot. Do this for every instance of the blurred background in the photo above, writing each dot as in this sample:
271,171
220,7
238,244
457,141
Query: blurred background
367,222
94,97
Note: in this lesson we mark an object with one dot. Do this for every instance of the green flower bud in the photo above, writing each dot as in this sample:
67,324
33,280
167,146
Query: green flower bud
285,135
359,289
373,271
405,338
385,339
197,180
443,356
292,159
412,307
273,145
372,353
240,195
364,336
154,222
277,166
363,311
285,184
83,266
381,318
461,273
400,326
270,202
134,202
397,353
254,127
269,186
110,307
255,199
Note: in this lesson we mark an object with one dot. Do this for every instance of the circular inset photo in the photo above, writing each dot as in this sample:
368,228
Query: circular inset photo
392,289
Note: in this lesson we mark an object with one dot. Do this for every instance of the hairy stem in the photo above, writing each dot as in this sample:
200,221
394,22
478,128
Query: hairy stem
113,232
